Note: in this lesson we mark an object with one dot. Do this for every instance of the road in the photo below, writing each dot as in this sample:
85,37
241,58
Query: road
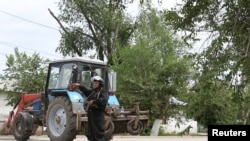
121,138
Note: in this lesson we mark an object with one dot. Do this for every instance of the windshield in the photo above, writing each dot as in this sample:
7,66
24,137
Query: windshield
60,76
87,72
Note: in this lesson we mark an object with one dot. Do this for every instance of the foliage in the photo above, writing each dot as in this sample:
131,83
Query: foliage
23,74
212,103
99,25
226,22
162,132
154,68
223,67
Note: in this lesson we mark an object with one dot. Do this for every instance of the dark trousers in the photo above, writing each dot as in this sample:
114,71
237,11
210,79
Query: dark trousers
96,125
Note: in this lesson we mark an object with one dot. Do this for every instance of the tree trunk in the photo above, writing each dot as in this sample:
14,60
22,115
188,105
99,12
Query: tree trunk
246,117
165,111
156,127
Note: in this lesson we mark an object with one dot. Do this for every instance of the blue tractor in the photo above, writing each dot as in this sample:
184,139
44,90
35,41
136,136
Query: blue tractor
60,108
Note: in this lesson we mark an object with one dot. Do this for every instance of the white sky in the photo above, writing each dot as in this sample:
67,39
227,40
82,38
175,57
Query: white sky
27,36
42,36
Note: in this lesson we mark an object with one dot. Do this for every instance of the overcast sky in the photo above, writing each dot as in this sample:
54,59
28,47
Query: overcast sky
27,24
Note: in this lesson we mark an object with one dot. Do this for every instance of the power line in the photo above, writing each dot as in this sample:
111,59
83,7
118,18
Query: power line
13,46
28,20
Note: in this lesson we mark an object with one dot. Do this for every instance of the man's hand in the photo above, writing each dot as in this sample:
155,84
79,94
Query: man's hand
75,84
91,102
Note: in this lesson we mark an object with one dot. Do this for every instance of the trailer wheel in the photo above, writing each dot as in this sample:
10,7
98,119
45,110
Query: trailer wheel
134,130
61,122
22,126
109,131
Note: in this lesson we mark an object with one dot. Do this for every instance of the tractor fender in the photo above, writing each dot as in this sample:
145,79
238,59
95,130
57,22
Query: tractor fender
113,101
75,98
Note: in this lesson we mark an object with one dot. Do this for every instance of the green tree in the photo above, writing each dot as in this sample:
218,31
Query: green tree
27,74
154,68
211,101
99,25
226,22
226,58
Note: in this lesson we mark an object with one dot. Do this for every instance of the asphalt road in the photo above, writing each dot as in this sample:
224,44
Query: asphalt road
121,138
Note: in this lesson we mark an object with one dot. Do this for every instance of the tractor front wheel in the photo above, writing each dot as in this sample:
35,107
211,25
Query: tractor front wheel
22,126
60,120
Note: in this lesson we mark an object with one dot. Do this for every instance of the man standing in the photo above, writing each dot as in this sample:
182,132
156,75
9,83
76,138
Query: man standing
97,99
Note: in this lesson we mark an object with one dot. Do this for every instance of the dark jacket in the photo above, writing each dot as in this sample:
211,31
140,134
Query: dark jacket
100,97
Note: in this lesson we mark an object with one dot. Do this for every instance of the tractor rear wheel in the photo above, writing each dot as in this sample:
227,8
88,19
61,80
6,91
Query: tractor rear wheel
60,120
22,127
